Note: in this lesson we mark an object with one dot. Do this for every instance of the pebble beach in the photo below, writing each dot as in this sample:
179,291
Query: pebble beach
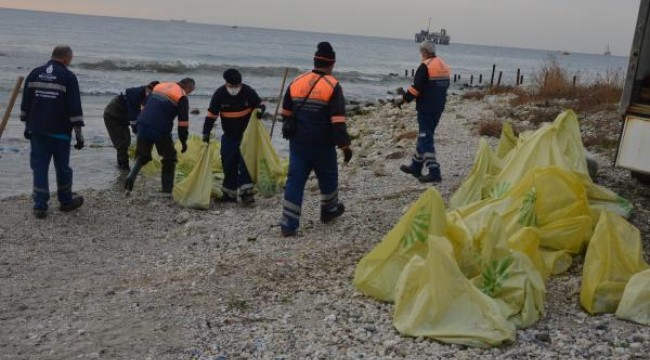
141,278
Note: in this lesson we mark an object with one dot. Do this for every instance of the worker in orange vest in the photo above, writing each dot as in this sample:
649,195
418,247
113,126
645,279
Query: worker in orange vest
313,113
166,102
429,90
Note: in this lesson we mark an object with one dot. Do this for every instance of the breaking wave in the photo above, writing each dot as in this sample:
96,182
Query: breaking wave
191,67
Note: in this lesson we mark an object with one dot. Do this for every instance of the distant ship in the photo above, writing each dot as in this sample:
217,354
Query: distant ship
177,20
607,51
435,37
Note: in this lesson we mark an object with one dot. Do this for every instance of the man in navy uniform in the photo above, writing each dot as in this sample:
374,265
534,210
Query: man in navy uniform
234,102
51,110
167,101
313,113
122,111
429,90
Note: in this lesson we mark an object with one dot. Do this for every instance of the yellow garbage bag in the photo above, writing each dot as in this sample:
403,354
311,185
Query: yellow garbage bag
194,191
557,262
186,160
434,299
507,142
635,302
478,183
263,164
545,198
614,254
377,272
515,280
526,241
508,275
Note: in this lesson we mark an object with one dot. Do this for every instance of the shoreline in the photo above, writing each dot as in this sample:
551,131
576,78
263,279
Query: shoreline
140,277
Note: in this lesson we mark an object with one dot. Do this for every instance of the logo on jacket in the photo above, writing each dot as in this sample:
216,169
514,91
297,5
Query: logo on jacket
50,69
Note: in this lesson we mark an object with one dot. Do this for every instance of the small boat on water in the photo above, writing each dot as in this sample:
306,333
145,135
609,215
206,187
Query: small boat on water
607,51
435,37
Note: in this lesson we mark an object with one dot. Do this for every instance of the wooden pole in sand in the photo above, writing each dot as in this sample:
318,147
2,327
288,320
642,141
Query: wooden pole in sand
10,106
275,115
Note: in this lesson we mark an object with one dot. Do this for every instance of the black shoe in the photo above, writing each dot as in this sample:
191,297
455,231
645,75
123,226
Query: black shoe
247,199
430,178
327,216
407,170
123,165
228,199
40,213
288,232
76,202
128,184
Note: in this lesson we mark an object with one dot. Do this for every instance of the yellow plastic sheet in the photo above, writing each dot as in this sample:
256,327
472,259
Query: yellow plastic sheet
635,302
377,272
195,190
613,256
434,299
264,166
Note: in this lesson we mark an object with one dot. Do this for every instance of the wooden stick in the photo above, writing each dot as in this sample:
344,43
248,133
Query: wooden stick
10,106
275,115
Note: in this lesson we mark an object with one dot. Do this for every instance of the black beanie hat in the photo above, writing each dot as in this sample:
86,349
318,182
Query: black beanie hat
232,76
325,55
152,84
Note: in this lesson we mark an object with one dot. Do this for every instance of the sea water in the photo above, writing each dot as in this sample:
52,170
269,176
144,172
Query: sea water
111,54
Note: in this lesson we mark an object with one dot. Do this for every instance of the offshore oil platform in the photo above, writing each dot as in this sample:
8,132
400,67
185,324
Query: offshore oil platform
435,37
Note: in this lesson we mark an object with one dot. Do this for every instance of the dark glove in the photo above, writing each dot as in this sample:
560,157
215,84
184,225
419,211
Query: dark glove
259,112
134,128
183,146
347,154
27,134
206,138
80,140
288,128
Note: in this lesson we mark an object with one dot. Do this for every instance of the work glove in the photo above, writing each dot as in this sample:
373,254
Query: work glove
80,139
206,138
183,146
27,134
398,102
134,128
288,128
259,112
347,154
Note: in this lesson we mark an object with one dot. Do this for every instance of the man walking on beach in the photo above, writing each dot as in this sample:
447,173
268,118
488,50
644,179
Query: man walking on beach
313,113
167,101
234,102
429,88
51,109
122,111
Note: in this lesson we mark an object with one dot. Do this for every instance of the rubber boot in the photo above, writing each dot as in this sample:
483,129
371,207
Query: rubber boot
167,180
130,179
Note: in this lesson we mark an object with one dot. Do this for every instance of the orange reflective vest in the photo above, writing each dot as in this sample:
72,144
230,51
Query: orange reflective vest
317,101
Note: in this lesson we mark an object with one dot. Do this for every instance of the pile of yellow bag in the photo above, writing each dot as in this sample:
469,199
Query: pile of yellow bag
476,272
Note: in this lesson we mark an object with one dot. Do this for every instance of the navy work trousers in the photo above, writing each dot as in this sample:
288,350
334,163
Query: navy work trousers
43,149
425,152
302,160
235,173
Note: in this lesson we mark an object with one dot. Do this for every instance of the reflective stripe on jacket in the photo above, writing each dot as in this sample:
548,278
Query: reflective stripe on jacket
316,112
51,101
234,110
430,85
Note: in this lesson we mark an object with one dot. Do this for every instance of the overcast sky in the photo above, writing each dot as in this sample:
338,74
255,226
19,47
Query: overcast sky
571,25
